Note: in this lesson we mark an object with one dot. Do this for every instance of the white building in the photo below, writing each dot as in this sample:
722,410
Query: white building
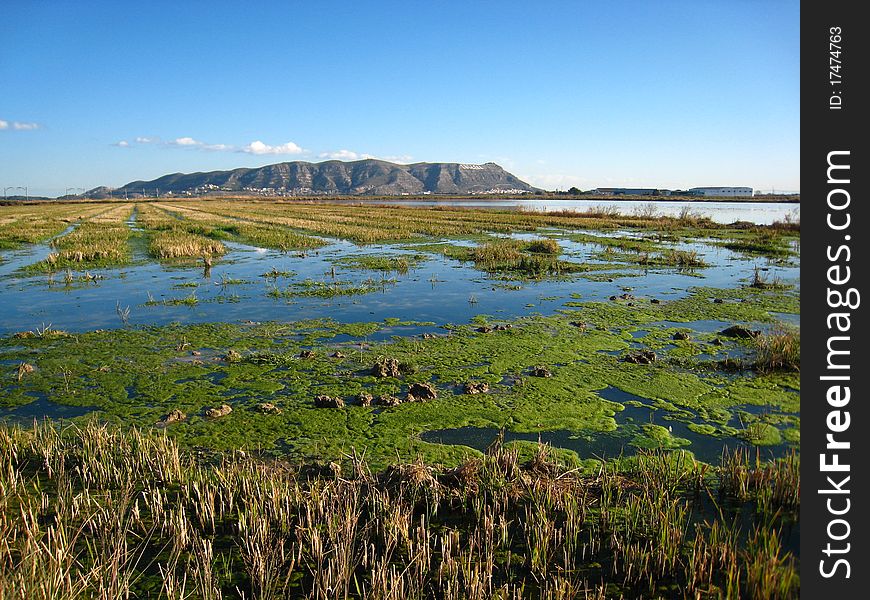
727,192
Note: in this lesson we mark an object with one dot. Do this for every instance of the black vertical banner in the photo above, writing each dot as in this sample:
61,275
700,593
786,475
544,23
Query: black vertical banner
835,235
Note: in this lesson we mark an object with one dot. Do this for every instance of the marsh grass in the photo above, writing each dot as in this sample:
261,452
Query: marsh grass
174,243
30,224
269,235
189,300
682,259
329,289
27,231
96,511
779,350
275,273
388,264
766,242
91,244
534,259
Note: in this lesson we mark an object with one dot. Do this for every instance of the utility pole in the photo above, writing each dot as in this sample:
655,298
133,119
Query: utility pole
11,187
26,197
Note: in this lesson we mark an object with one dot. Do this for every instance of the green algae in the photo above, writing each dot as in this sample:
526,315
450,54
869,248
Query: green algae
656,436
137,375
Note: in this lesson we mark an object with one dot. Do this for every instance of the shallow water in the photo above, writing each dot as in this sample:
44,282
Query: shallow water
440,290
761,213
41,408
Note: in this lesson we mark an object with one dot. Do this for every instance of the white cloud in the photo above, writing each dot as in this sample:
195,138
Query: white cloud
18,125
344,155
259,147
256,147
122,144
186,141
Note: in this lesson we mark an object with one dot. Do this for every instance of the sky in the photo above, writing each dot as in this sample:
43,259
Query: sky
670,94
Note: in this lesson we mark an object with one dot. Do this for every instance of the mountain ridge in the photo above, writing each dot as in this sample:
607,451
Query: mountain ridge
367,177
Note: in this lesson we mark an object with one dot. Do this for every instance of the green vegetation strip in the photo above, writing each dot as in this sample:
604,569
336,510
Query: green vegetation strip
89,245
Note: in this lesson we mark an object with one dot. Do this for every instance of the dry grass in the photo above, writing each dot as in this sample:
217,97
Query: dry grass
91,242
182,244
779,350
100,512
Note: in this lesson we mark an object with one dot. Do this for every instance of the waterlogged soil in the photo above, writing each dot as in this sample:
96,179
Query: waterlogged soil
138,375
262,326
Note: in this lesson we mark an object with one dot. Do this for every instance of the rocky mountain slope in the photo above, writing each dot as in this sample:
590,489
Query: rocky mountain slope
368,177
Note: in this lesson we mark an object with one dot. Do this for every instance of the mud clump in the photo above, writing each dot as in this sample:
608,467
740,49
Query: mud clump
338,354
232,356
365,399
655,301
267,408
386,367
221,411
476,387
324,401
483,329
419,392
503,327
681,336
174,416
739,331
540,371
644,357
387,400
307,354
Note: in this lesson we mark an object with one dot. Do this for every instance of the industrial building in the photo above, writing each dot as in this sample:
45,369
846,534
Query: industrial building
723,192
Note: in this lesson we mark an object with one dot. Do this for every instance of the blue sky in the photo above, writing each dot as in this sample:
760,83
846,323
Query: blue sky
611,93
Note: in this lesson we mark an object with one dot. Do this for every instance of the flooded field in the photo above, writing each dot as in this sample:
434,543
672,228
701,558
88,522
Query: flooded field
508,404
760,213
164,293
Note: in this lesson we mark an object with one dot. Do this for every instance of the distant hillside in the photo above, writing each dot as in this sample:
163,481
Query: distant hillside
334,178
